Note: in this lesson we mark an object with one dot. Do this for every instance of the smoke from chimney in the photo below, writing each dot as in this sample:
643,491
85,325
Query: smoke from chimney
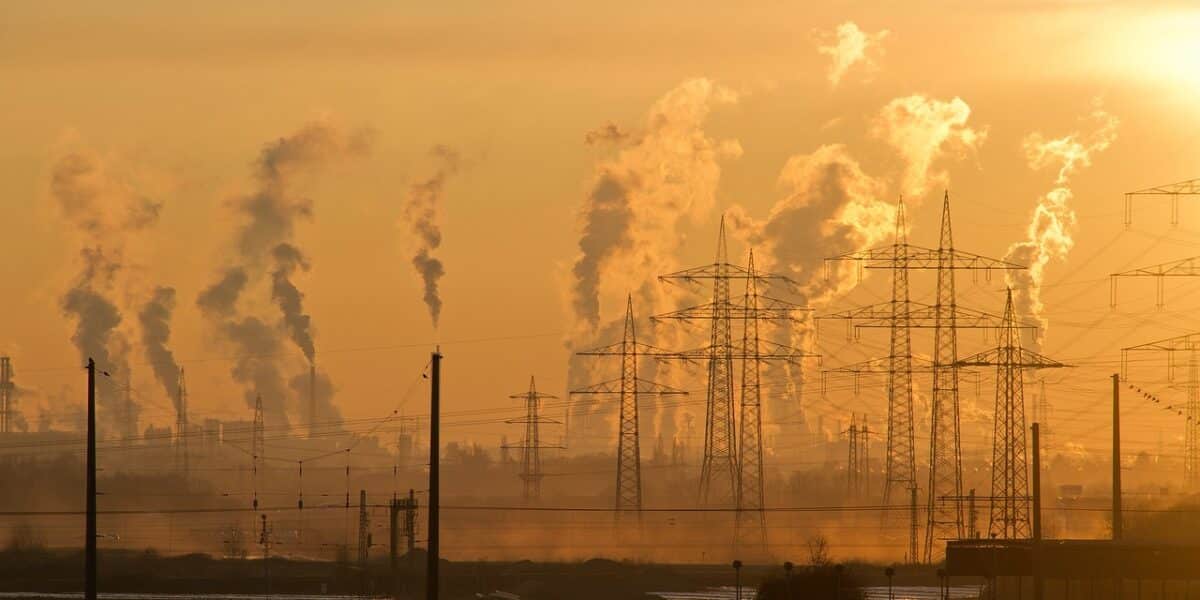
267,259
1051,229
421,210
155,319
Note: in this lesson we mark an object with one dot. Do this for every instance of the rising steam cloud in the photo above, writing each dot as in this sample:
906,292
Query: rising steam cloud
922,130
155,320
104,210
1049,235
267,260
660,175
846,46
421,211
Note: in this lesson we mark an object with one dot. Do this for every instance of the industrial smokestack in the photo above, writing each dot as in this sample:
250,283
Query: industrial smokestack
312,400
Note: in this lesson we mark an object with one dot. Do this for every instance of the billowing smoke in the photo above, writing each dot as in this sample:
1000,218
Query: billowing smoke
421,214
660,174
105,211
922,130
846,46
268,258
832,206
290,300
155,319
1053,222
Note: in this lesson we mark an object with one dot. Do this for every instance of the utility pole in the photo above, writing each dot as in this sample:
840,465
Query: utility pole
1010,483
972,516
912,524
432,558
852,476
89,534
1117,517
264,539
946,317
629,388
531,457
1038,588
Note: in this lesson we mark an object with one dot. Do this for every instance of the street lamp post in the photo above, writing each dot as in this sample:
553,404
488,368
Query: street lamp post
737,579
787,579
837,582
890,572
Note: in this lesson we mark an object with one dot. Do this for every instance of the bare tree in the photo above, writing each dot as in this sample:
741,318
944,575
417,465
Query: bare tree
818,551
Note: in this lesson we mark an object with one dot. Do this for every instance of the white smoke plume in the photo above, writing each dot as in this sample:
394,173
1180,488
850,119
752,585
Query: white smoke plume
922,130
102,206
267,258
155,320
421,210
846,46
1049,235
661,173
832,206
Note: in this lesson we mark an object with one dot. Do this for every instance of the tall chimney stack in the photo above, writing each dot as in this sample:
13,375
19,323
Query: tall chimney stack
312,400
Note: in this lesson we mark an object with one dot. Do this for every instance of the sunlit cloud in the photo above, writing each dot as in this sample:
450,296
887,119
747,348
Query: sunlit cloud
847,46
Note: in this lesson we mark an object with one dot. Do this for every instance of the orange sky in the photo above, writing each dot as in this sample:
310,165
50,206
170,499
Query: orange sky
181,100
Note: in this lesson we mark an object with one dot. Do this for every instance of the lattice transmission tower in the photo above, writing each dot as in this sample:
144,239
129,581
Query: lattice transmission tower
858,460
732,468
719,475
944,519
258,446
628,387
1188,345
531,446
1010,465
8,396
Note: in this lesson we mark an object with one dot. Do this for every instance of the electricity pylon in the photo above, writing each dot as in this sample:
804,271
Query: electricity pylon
732,469
899,316
858,461
1188,344
1175,191
1186,267
1010,466
181,425
628,387
8,396
531,446
258,445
